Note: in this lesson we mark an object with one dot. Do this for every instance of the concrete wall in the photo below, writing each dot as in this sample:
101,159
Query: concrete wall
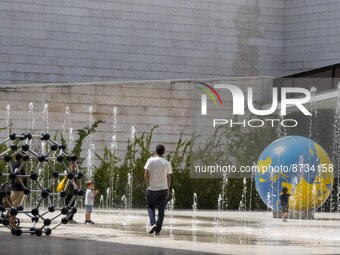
45,41
311,34
172,105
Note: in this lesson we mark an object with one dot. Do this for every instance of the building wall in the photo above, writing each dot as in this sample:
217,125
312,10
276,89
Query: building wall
311,34
44,41
171,105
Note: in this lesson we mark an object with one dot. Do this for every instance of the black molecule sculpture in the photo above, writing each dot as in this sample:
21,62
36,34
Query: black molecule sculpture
39,190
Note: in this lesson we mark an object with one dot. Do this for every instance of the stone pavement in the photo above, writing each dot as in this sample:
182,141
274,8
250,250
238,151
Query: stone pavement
119,232
27,245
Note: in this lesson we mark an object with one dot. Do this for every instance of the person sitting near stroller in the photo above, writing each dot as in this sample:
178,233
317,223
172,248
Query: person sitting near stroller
18,186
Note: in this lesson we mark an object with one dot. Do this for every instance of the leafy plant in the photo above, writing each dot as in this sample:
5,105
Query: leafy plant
82,134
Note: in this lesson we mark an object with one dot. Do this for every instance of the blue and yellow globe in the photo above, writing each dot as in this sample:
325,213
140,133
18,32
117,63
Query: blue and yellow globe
301,165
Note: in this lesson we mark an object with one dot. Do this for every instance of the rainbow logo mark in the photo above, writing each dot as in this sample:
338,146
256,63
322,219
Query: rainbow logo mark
209,90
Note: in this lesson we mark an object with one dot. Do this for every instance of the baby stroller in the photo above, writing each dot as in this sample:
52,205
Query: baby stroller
5,202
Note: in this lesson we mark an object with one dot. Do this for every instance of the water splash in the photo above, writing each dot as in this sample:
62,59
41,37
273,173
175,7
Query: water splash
101,202
91,115
314,196
124,200
8,120
251,187
281,130
90,160
313,90
67,130
133,135
221,204
194,217
242,206
8,116
114,149
110,191
129,191
67,121
312,125
133,165
336,146
91,148
71,139
171,207
219,219
31,119
312,133
194,207
223,191
108,200
45,117
114,119
268,201
43,147
114,146
125,206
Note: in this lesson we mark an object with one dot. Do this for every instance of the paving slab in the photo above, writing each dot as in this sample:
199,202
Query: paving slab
212,232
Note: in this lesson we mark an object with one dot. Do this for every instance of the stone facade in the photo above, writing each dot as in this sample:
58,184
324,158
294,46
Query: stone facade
48,41
171,105
311,34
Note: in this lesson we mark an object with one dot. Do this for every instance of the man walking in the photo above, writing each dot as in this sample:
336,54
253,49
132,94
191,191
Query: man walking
157,177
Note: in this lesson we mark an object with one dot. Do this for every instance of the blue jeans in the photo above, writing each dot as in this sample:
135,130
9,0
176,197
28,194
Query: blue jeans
156,199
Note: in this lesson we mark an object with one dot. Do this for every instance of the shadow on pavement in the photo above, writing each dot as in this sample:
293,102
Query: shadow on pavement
29,244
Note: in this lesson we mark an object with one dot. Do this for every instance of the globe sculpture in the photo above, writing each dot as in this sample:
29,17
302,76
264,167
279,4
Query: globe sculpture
301,165
42,207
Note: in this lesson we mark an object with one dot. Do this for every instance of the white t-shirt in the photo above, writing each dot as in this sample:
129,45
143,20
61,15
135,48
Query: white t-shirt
158,168
89,197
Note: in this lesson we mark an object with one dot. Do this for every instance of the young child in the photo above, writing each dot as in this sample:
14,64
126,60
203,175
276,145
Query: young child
89,201
284,201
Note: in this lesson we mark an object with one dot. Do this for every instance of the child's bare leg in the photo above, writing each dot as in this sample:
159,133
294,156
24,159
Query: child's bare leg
11,220
87,216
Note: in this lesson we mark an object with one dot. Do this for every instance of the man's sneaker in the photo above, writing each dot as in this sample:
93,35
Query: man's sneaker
157,233
152,229
91,222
